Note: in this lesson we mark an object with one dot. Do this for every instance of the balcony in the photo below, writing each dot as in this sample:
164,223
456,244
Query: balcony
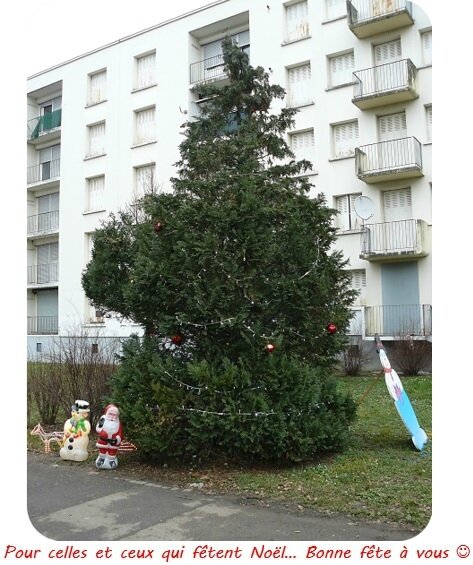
371,17
395,159
42,325
385,84
45,274
390,240
44,128
399,320
211,69
43,224
48,171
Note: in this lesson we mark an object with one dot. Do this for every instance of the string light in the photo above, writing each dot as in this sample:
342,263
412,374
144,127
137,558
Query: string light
314,408
254,414
200,388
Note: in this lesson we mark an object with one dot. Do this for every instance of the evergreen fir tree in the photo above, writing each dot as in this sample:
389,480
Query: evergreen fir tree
234,277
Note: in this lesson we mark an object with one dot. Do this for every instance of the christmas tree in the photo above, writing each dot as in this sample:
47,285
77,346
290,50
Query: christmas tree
235,279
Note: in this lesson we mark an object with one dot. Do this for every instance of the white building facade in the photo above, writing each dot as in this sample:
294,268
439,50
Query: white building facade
104,125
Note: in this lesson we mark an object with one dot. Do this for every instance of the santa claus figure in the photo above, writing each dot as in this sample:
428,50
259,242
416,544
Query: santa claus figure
110,434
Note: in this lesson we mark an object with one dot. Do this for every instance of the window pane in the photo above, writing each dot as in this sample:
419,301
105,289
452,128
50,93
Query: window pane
297,21
146,70
300,86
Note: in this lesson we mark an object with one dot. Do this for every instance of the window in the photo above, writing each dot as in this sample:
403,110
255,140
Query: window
145,126
95,189
341,69
49,160
300,86
96,87
213,55
388,52
48,212
96,140
144,179
358,278
88,246
145,70
47,256
335,9
346,217
50,112
302,144
392,126
428,119
388,77
345,138
426,38
297,21
397,205
39,347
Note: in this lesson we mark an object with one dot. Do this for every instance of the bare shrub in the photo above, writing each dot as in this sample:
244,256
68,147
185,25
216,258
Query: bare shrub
411,356
88,360
354,356
78,366
44,391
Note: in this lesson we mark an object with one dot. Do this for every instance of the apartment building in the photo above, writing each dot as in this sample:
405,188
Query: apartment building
105,124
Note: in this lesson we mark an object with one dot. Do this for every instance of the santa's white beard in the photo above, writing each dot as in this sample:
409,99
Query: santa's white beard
111,426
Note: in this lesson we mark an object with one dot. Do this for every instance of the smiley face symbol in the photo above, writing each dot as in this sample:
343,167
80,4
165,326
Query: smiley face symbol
463,551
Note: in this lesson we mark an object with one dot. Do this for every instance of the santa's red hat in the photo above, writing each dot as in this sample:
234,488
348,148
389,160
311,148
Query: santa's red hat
109,406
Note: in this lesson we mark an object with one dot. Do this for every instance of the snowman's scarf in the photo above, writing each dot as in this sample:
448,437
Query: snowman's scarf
78,425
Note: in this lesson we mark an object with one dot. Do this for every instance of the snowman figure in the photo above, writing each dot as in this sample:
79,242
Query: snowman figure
76,433
110,434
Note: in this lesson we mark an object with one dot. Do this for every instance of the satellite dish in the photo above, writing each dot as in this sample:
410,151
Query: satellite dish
364,207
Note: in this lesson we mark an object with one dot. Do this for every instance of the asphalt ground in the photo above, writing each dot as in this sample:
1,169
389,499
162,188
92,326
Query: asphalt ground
75,501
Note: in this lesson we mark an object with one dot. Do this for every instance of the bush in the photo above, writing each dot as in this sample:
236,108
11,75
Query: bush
272,409
354,356
410,357
45,391
77,367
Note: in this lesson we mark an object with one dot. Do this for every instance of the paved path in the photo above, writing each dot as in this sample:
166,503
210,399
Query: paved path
74,501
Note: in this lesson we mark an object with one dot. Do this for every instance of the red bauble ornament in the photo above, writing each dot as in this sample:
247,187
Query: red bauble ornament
177,339
331,328
158,226
270,347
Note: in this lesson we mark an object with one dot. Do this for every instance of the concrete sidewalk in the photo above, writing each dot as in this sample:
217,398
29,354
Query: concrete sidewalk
74,501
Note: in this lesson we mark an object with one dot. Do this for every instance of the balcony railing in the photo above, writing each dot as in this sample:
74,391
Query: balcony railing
385,84
370,17
399,320
43,223
43,124
210,69
43,171
389,160
43,274
391,239
42,325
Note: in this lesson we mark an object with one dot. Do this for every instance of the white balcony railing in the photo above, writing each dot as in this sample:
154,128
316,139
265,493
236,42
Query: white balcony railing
376,159
45,273
210,69
384,79
43,223
42,325
402,237
360,11
398,320
43,171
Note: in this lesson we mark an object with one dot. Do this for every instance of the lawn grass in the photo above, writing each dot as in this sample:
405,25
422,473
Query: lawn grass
381,476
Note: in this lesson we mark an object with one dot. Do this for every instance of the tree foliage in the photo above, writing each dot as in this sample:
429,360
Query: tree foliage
238,257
